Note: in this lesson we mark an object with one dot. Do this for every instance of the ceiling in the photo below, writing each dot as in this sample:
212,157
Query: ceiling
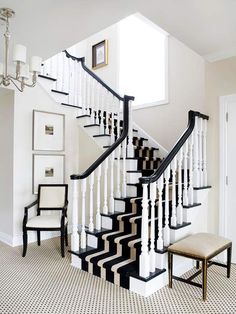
46,27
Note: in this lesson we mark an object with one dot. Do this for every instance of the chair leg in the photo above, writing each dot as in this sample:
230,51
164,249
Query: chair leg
204,279
38,238
229,255
62,243
66,235
197,264
170,268
25,242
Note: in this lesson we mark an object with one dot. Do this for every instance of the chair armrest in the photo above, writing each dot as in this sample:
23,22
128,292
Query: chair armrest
26,211
31,205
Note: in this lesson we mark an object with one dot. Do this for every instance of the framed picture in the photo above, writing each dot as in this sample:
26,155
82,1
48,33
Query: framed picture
48,169
100,54
48,131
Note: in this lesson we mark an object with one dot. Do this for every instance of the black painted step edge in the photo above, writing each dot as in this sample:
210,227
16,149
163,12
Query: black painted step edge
83,116
185,224
203,188
47,77
73,106
91,125
59,92
156,273
101,135
193,205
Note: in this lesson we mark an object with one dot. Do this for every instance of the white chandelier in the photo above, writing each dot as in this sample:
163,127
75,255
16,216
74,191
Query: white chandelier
23,70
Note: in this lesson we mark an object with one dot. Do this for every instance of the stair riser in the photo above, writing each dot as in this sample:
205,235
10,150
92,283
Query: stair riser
133,177
102,140
84,121
92,130
132,191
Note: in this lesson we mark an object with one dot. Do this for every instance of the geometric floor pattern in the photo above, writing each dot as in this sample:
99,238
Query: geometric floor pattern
44,283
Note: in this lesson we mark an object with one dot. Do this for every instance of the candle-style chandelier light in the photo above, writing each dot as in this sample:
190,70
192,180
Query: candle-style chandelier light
23,71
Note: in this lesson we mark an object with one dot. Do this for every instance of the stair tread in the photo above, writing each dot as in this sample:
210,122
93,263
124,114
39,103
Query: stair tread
83,116
59,92
101,135
47,77
69,105
185,224
91,125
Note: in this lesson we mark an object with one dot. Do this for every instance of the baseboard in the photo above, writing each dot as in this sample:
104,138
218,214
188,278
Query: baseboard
17,240
6,238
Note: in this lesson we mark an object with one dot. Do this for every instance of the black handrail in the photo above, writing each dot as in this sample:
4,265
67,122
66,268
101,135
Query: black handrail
86,69
124,133
166,162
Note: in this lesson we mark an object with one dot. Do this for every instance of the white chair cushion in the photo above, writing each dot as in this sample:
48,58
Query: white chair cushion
45,221
52,196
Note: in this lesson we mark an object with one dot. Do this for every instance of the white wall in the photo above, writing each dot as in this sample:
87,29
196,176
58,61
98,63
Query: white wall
6,163
220,81
25,103
108,73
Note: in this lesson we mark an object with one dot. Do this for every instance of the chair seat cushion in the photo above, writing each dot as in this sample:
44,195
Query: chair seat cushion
45,221
200,245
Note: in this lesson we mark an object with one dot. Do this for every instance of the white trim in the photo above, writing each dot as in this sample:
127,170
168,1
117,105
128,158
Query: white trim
162,150
221,55
223,108
17,239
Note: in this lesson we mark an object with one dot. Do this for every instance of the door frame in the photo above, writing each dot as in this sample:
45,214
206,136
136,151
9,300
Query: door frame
223,167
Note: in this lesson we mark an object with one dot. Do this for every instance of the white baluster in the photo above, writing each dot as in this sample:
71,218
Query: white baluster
167,211
200,151
68,78
190,187
180,206
160,241
58,72
83,233
124,168
173,169
152,252
144,257
84,88
102,103
196,155
98,215
96,102
112,202
105,207
106,108
75,217
91,183
205,153
112,99
62,72
118,152
130,149
185,192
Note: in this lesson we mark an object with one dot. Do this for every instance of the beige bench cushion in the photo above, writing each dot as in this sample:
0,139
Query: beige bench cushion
200,245
45,221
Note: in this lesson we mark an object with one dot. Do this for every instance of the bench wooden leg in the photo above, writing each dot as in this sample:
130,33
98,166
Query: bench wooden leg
170,268
229,255
204,279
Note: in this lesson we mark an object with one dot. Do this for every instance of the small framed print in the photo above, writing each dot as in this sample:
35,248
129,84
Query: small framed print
100,54
48,131
48,169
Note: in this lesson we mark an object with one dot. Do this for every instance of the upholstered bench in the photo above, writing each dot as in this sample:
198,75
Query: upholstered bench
200,247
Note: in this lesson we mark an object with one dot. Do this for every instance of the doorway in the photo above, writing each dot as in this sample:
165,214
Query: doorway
227,188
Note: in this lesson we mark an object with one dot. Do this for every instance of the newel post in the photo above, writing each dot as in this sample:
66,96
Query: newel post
75,217
144,257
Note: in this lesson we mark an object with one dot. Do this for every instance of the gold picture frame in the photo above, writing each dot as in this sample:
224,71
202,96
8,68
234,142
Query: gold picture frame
100,54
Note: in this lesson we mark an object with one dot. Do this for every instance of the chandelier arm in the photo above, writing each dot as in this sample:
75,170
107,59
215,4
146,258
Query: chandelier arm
19,89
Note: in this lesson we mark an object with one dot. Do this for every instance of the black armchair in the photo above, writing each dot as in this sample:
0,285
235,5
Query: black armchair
51,197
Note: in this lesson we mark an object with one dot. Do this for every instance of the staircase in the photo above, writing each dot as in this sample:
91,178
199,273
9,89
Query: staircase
135,199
